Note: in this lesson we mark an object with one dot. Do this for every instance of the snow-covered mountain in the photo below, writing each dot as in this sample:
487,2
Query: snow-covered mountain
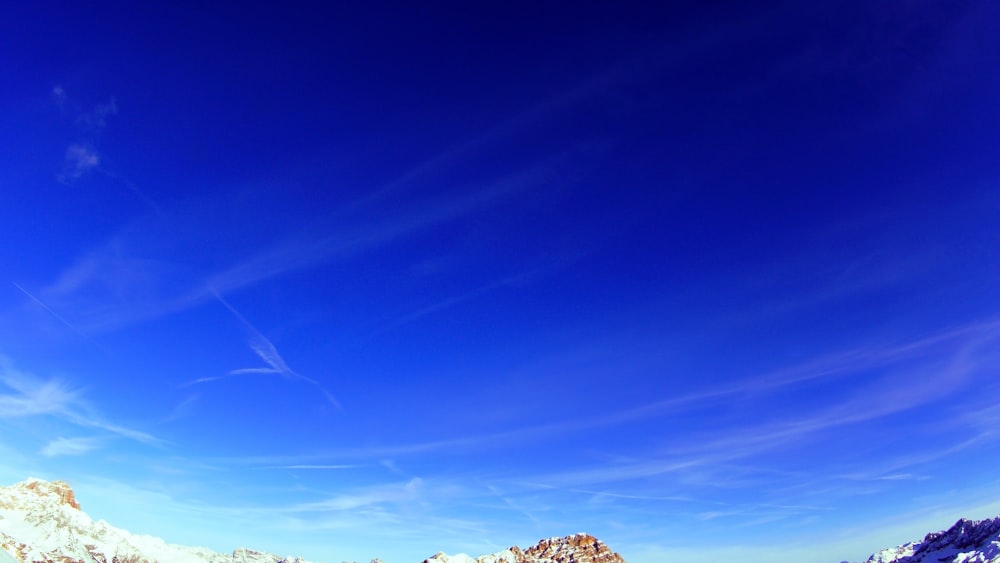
41,521
578,548
968,541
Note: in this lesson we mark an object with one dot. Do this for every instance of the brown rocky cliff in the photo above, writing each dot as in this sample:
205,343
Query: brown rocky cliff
579,548
60,488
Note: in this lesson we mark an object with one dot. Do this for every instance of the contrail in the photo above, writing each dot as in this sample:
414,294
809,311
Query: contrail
60,318
264,349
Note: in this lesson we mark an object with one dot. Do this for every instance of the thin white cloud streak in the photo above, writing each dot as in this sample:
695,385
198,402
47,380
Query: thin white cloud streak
837,365
755,515
33,397
643,63
838,480
747,442
611,495
507,281
297,253
59,317
318,467
88,421
394,493
512,504
70,447
111,274
890,395
36,397
182,409
512,280
294,253
267,352
557,103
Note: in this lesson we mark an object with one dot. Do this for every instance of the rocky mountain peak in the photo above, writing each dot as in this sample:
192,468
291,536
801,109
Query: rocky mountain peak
60,489
967,541
578,548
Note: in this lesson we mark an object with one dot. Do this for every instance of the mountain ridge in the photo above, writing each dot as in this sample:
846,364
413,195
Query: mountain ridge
42,521
967,541
577,548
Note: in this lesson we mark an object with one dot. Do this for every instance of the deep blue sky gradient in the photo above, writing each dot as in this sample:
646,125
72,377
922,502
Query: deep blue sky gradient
380,279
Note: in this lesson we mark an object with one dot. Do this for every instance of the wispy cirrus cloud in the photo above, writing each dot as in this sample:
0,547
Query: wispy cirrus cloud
267,352
59,96
513,504
29,395
182,409
325,467
82,156
79,159
96,120
393,493
57,316
32,397
308,249
116,285
70,447
888,380
448,302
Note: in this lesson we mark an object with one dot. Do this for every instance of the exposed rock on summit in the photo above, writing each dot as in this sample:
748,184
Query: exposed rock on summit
968,541
41,522
57,488
578,548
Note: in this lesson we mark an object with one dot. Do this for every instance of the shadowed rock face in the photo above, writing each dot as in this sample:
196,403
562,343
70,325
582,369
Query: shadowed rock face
968,541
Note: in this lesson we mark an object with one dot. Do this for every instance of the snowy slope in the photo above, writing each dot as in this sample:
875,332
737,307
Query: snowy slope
41,521
968,541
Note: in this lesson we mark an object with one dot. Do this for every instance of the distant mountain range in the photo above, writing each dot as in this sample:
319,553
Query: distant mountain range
968,541
41,521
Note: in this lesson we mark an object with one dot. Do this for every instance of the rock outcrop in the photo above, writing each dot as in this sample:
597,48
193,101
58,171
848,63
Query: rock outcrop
578,548
968,541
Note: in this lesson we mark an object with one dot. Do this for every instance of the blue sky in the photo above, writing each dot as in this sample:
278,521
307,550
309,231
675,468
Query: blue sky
381,279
